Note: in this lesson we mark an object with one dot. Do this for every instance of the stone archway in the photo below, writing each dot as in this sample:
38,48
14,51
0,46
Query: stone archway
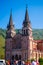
19,57
12,57
16,57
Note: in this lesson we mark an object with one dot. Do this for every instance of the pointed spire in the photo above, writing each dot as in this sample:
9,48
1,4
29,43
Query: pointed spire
26,20
10,21
26,14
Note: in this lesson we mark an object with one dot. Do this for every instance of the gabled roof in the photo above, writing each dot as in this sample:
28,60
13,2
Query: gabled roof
39,41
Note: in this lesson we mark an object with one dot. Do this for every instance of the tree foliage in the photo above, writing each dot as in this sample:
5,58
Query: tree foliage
41,61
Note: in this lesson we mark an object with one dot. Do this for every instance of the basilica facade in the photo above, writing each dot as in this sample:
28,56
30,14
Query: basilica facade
21,45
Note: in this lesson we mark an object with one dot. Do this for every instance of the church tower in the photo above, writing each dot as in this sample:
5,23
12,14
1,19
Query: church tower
10,33
27,37
10,27
26,25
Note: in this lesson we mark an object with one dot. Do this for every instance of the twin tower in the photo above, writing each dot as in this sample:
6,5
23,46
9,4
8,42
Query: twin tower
19,45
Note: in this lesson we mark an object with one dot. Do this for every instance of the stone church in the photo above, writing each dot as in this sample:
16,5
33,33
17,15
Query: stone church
21,44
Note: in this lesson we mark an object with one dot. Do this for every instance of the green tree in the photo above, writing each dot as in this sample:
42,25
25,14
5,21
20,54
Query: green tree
41,61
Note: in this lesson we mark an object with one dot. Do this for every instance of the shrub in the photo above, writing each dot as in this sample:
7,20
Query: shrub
41,61
32,59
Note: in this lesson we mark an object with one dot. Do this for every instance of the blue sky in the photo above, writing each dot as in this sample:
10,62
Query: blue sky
35,12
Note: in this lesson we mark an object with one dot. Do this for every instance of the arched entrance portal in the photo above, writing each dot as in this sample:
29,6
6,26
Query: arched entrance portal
13,57
17,57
